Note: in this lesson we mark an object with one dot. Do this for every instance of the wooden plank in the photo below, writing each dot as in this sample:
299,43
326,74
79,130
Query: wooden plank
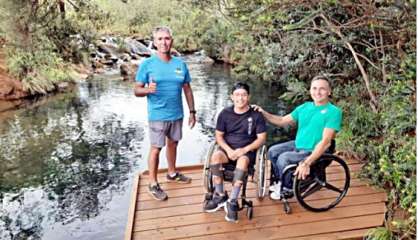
198,198
336,177
171,186
347,235
186,168
262,211
132,209
189,189
199,183
182,216
352,167
272,227
198,207
161,178
196,172
286,232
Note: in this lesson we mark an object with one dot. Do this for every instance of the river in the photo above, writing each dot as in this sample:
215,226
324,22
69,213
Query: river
67,162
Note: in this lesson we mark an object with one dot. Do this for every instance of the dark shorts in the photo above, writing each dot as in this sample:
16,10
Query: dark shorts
251,155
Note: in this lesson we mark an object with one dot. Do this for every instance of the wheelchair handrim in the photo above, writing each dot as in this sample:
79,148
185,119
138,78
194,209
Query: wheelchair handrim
337,200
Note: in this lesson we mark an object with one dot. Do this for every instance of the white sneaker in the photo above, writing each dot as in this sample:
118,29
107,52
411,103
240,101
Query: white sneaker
275,195
275,186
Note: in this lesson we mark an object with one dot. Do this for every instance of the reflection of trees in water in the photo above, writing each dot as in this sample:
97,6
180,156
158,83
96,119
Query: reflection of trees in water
211,88
76,162
94,165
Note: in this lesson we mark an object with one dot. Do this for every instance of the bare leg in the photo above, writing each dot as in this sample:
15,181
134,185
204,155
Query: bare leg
153,160
171,153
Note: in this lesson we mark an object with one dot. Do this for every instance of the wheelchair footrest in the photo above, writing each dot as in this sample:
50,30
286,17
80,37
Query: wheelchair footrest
286,193
245,204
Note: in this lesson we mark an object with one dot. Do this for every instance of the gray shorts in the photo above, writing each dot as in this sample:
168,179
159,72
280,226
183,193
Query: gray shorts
158,130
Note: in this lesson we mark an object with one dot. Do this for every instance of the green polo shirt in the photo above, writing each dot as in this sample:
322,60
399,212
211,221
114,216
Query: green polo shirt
311,122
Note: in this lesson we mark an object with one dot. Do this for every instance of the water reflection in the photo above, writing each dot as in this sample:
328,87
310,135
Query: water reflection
63,161
67,164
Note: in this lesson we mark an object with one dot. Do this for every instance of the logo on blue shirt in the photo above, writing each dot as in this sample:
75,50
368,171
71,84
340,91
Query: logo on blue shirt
179,72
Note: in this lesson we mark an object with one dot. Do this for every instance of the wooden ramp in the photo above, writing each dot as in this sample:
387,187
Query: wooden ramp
181,216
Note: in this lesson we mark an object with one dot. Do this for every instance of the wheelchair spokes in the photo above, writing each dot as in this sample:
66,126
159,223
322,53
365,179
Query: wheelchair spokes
315,186
326,186
334,188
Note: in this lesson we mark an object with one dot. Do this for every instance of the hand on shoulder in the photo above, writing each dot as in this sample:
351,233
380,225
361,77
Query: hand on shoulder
257,108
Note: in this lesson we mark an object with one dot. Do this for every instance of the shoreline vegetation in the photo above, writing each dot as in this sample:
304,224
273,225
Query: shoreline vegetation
367,49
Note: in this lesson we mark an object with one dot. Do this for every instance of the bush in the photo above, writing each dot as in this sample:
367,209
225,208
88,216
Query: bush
40,71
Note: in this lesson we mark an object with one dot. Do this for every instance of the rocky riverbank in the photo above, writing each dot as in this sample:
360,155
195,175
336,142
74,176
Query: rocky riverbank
107,53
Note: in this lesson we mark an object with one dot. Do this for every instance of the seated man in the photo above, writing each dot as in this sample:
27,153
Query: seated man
240,131
318,122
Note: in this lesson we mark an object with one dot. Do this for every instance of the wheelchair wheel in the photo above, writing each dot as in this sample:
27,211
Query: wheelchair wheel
207,175
326,185
261,172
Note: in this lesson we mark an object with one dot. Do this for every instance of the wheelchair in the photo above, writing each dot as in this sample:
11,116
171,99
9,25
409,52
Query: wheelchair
325,187
257,172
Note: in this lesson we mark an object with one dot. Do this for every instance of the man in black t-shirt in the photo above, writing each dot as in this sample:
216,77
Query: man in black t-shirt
240,131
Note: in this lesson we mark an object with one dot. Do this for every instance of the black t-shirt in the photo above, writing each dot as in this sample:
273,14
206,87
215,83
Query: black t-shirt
240,129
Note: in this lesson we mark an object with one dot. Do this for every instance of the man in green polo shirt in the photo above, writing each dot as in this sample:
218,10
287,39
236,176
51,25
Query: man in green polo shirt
317,124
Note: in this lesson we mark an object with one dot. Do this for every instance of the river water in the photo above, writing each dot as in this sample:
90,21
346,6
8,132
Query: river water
67,162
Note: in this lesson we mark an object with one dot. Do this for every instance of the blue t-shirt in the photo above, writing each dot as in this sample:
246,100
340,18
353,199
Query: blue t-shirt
312,120
166,103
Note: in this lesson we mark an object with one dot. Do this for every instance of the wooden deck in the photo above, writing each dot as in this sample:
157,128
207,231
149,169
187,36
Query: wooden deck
181,216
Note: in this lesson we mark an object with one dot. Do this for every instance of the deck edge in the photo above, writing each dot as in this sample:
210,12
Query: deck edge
134,196
132,208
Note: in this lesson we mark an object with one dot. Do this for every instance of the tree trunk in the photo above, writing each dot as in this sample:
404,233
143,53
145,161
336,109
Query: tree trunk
61,6
334,29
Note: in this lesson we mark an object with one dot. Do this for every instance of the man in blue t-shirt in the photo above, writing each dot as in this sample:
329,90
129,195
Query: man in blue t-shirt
317,121
161,78
240,131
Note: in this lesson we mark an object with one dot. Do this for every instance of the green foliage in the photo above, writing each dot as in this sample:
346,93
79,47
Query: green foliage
72,35
296,91
386,140
40,72
217,39
185,21
281,41
41,38
379,233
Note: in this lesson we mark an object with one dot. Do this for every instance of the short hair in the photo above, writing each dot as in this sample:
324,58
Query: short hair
321,77
161,29
240,85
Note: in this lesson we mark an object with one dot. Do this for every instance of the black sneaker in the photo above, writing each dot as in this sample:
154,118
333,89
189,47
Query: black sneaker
231,208
180,178
215,203
157,192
